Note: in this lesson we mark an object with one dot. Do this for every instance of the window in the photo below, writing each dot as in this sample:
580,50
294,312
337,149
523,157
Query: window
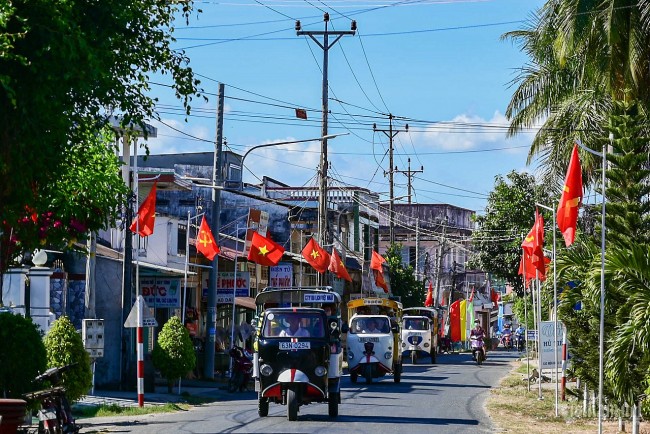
294,324
182,239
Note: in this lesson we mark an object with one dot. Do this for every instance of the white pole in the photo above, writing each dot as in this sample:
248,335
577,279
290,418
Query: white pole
539,334
187,256
526,319
602,296
234,292
555,320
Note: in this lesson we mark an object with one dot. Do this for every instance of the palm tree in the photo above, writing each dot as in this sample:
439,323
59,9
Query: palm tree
584,54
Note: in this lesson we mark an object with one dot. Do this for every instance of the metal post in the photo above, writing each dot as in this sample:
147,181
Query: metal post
602,296
540,396
211,320
234,295
325,46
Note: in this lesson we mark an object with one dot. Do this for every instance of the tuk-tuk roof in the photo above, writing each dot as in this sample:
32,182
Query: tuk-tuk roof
421,311
297,296
375,301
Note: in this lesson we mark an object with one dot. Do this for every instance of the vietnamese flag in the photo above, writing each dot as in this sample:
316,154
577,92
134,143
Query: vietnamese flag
380,281
567,209
144,222
454,321
338,267
429,300
264,251
205,242
376,262
316,256
533,244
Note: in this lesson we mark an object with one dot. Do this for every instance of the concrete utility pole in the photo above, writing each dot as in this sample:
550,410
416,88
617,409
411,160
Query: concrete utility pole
390,133
215,225
410,174
443,247
325,46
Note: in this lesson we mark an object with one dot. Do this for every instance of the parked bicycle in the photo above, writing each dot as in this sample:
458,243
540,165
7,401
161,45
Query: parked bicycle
54,414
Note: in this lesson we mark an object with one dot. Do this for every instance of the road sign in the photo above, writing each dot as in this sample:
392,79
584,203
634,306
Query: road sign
140,315
531,335
547,349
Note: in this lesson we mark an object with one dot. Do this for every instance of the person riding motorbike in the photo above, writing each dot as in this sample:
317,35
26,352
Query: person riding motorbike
479,334
506,336
520,336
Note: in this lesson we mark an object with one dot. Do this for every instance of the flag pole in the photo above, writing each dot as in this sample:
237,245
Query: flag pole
539,334
234,295
523,260
187,256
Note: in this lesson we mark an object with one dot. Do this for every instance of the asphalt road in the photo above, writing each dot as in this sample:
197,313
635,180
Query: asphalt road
444,398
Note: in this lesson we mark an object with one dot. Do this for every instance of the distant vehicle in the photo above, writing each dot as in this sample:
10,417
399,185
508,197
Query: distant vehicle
373,339
298,357
419,342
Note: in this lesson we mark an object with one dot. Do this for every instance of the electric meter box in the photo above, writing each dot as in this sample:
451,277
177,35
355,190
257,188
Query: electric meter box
92,332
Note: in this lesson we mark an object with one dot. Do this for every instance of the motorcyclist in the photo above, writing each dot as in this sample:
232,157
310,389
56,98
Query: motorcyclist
479,334
507,332
520,333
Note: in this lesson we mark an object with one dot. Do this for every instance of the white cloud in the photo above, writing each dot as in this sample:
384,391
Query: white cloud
467,132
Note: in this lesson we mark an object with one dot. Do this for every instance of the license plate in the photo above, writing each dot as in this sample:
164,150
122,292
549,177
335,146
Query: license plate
375,339
295,345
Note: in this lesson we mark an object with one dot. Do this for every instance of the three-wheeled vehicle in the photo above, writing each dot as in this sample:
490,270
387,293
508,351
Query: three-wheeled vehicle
373,339
298,357
420,333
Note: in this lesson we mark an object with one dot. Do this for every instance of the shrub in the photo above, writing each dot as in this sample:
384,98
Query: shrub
22,355
64,346
173,355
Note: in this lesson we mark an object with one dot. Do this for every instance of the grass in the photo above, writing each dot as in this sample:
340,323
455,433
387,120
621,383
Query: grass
513,409
116,410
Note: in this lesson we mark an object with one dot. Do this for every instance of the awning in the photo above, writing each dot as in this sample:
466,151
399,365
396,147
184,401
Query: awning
246,302
148,269
352,263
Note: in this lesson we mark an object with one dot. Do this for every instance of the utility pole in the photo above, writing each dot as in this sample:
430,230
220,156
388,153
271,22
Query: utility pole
325,46
410,174
390,133
417,248
443,246
215,223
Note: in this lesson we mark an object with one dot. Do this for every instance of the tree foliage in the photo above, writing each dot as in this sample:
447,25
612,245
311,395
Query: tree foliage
402,279
65,347
65,67
173,355
508,217
22,357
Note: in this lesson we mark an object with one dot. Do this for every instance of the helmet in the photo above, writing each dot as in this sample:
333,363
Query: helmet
477,322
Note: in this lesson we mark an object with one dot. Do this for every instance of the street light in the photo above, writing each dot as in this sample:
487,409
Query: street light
265,145
601,355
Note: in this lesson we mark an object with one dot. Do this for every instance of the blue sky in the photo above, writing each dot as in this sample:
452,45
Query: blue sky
439,66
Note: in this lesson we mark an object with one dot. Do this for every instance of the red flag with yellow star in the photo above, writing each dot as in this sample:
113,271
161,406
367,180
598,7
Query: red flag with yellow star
144,222
316,256
567,210
429,300
264,251
205,242
338,267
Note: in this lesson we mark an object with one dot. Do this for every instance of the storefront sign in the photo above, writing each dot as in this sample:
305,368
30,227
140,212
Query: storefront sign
280,276
161,292
226,284
546,338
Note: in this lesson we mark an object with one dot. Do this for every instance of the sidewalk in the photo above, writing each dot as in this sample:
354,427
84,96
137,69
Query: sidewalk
203,389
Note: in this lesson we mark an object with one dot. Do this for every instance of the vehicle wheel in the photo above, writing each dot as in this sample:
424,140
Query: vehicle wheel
353,377
397,373
479,357
292,405
263,406
333,404
414,357
368,373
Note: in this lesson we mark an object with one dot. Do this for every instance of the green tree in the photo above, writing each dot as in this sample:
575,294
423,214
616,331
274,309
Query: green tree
90,60
22,357
65,347
583,55
402,279
173,355
508,217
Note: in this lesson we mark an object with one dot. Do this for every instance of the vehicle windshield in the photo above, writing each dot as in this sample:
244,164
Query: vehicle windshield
416,324
361,325
293,324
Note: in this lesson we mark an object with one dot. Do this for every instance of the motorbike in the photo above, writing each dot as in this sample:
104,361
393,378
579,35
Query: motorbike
242,370
55,414
507,342
478,352
521,342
